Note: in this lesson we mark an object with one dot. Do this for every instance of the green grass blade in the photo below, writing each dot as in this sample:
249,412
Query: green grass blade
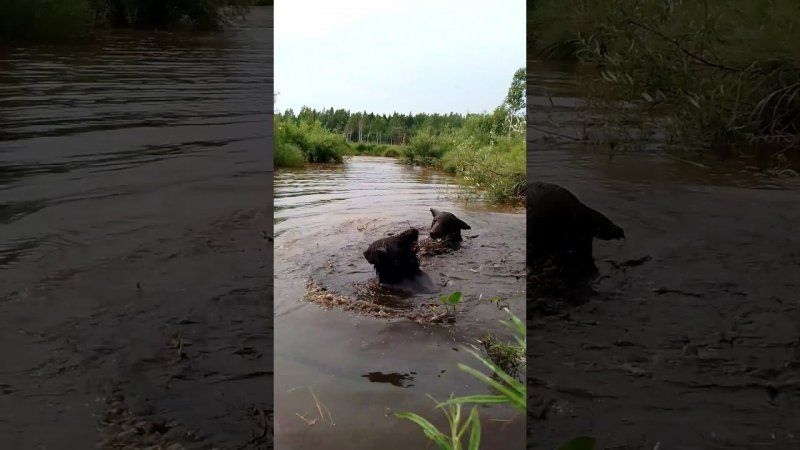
475,434
509,380
430,431
514,397
476,399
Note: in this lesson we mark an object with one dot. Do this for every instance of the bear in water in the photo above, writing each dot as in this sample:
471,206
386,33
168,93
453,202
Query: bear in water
447,226
395,257
561,229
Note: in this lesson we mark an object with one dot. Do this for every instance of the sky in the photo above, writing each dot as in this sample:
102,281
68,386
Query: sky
382,56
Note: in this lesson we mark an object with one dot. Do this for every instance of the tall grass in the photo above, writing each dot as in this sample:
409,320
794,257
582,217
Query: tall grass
716,74
74,19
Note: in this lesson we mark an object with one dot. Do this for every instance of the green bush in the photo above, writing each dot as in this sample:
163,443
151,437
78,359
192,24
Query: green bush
427,148
288,155
498,169
311,140
391,152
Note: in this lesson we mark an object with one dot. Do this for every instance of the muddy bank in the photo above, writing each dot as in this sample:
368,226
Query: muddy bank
697,347
137,266
363,367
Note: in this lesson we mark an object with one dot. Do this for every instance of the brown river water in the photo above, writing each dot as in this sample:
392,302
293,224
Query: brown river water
361,368
135,212
697,348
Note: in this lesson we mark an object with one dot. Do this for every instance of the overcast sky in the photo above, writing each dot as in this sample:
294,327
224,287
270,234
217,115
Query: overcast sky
383,56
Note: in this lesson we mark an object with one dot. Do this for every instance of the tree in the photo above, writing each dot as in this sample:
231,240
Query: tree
515,99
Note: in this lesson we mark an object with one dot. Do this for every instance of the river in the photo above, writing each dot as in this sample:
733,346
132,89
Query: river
697,348
363,369
136,214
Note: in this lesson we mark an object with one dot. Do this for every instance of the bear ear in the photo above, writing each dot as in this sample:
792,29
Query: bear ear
434,212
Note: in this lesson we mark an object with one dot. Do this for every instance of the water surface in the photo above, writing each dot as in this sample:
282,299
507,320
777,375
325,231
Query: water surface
363,369
135,184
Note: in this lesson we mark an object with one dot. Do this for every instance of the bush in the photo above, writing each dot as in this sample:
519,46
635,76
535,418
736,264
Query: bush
391,153
311,140
288,155
426,148
498,169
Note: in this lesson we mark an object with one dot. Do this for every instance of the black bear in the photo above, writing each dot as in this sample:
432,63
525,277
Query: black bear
395,257
447,226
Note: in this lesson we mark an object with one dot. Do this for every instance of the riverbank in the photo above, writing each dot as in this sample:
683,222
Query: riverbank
716,79
494,169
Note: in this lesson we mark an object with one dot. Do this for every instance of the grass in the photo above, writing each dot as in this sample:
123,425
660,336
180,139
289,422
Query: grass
715,75
453,414
508,390
507,357
52,20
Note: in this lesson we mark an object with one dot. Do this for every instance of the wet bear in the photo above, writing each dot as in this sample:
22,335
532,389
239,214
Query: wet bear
447,226
395,257
561,229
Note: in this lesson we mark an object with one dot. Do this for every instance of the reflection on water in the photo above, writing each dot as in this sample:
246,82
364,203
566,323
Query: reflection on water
395,379
325,217
686,348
